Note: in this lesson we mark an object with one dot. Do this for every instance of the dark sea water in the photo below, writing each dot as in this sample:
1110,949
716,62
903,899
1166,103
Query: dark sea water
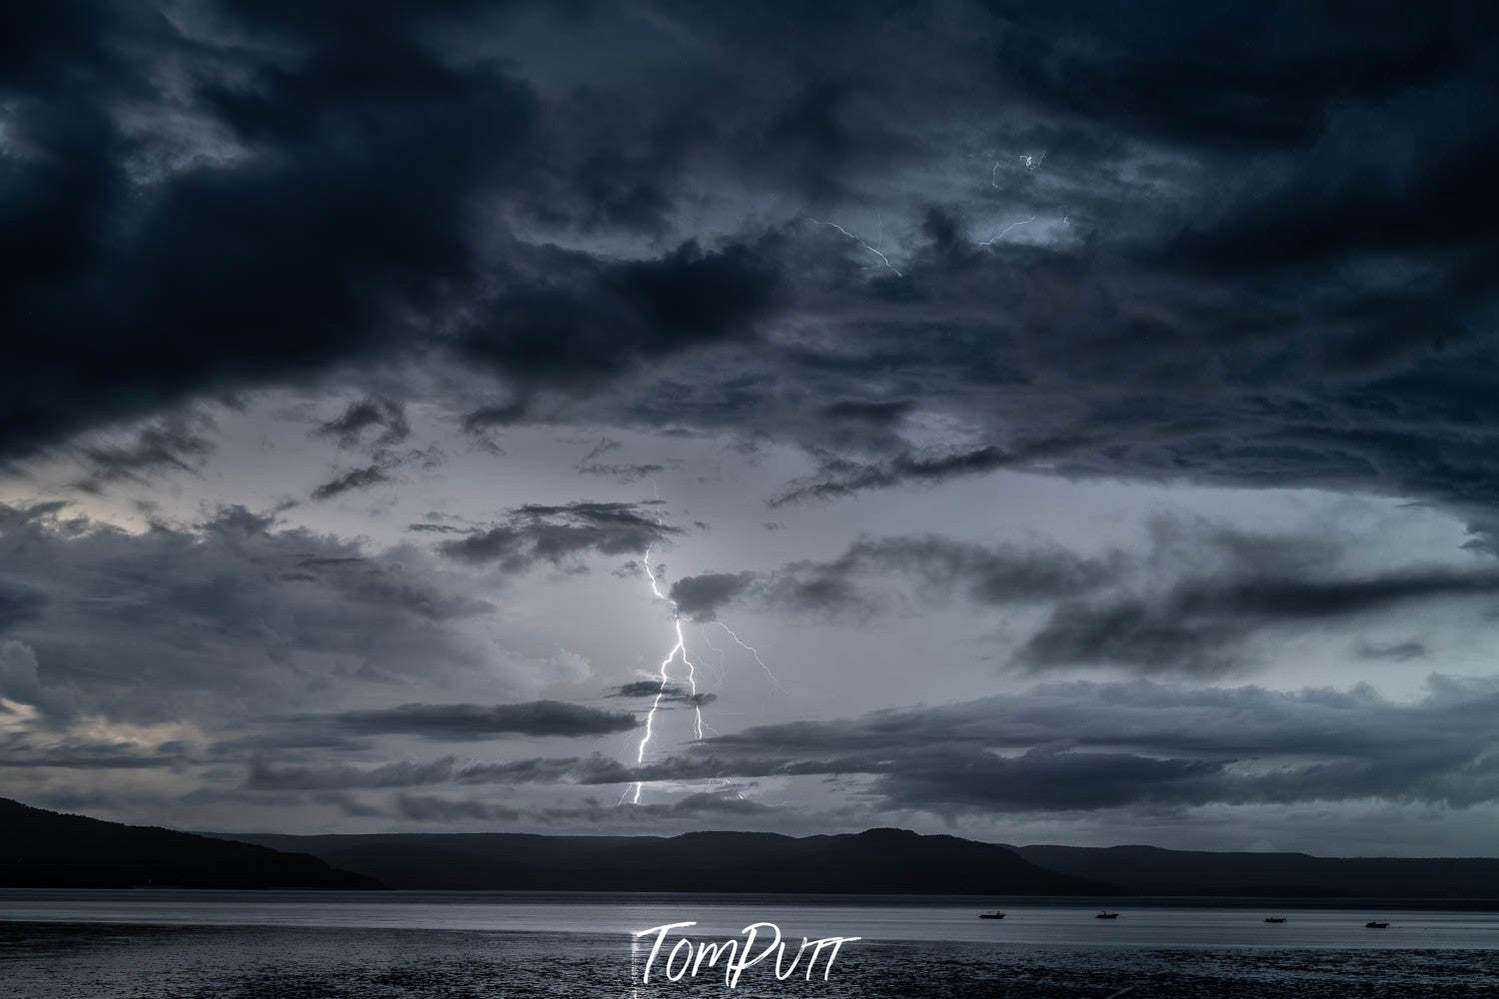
264,945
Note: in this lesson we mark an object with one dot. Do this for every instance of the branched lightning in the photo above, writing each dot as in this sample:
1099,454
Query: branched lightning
678,650
883,259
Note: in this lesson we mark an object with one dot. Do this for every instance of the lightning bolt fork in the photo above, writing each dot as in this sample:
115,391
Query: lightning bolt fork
679,649
883,259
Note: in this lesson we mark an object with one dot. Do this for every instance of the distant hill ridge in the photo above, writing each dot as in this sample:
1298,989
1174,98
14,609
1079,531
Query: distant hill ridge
43,849
1150,870
48,849
881,861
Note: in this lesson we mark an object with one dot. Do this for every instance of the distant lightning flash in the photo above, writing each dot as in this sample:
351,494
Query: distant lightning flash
752,651
1003,232
676,651
883,259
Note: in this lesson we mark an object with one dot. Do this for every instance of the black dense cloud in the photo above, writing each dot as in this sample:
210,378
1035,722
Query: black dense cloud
462,722
289,193
1241,244
555,533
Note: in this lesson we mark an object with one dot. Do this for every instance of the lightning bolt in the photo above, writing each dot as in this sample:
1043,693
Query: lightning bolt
883,259
678,650
1002,233
752,651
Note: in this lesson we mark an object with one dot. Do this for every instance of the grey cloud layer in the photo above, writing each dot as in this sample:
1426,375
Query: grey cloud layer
142,625
1189,605
555,533
1081,746
456,722
1068,747
940,568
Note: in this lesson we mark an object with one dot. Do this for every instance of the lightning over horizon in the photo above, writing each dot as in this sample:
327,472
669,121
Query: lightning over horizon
679,649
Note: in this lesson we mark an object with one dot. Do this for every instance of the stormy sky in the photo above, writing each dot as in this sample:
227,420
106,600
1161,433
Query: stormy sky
1068,422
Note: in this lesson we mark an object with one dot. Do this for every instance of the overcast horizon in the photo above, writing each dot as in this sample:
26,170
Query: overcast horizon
1070,423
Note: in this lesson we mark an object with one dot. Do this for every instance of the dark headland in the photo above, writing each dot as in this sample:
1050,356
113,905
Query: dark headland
43,849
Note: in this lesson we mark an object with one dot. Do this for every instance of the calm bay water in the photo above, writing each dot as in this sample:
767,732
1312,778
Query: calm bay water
195,945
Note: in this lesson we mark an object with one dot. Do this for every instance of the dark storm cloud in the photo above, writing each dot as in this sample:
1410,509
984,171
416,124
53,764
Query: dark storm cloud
646,688
538,532
663,693
624,474
1192,605
177,443
879,413
699,597
307,216
594,321
1398,651
22,752
1198,625
218,198
1255,243
19,603
1066,747
21,683
841,477
1083,746
348,428
142,626
701,805
350,481
462,722
268,776
940,568
430,808
1196,602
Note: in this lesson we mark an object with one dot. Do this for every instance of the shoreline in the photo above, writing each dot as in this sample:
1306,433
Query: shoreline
577,897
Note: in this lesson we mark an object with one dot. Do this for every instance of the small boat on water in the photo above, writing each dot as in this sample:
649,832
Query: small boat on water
1107,915
1376,925
991,915
1275,919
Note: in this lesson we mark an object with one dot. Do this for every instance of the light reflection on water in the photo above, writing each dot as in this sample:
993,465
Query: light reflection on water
724,915
270,945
